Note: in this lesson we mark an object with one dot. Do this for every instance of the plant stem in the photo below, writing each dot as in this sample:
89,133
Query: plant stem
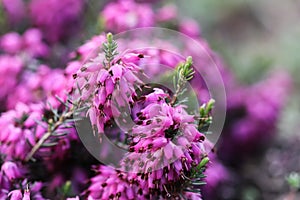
48,134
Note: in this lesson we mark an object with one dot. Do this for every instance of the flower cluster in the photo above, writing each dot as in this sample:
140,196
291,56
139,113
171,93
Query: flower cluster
30,43
97,83
165,146
54,17
130,15
254,113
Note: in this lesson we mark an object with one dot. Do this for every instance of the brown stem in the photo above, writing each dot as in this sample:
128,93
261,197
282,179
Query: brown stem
49,133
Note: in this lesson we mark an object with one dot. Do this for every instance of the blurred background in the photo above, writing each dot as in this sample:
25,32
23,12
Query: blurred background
255,38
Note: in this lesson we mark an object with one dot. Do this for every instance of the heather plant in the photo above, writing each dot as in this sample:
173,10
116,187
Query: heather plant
167,153
141,105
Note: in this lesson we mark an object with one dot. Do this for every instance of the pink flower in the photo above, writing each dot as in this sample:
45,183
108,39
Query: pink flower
15,195
11,170
42,85
111,183
190,28
30,43
126,14
98,84
56,18
11,42
10,68
167,13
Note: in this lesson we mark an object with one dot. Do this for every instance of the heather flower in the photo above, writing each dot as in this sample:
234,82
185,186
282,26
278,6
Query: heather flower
126,14
166,146
110,183
253,112
11,170
17,129
167,13
10,68
26,192
44,85
58,19
15,195
189,27
30,43
98,82
11,42
89,49
21,132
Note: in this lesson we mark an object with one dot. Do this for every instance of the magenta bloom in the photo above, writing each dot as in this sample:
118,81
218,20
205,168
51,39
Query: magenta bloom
25,193
30,43
15,195
98,84
111,183
253,111
11,170
41,85
165,146
56,18
10,68
20,132
126,14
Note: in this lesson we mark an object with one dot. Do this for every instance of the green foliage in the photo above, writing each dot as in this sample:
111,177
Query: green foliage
205,118
110,49
183,73
293,180
197,176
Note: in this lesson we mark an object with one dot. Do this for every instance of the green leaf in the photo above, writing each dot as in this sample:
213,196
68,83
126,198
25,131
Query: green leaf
110,49
293,180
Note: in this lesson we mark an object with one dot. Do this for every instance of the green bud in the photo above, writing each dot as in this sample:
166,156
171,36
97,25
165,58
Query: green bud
66,188
109,37
189,60
203,162
202,110
210,105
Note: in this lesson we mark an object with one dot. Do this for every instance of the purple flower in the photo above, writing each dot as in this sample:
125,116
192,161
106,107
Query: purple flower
253,114
167,13
111,183
11,170
21,132
126,14
11,42
42,85
15,195
190,28
26,193
10,68
98,84
165,147
30,43
58,19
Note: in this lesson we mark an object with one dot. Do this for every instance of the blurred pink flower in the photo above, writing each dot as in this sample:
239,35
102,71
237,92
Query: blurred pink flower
126,14
58,19
11,170
30,43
